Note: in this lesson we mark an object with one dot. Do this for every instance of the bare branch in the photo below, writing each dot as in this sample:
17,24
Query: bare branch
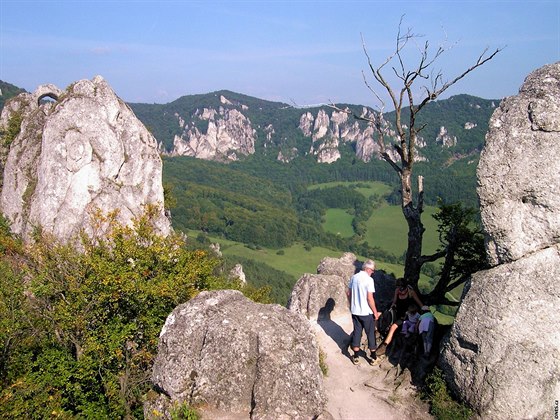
421,128
456,283
434,257
483,58
382,107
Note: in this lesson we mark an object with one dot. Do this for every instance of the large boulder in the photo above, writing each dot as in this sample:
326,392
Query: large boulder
344,266
319,296
223,353
518,170
323,295
503,353
82,151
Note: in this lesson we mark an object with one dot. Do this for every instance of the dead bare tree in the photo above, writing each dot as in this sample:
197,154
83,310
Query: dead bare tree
402,96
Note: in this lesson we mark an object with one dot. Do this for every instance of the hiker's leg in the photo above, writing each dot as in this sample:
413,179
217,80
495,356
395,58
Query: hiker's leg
392,330
430,337
369,326
356,333
425,342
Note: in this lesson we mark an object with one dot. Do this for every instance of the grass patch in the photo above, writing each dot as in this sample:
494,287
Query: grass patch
294,260
387,229
367,188
442,405
339,222
323,362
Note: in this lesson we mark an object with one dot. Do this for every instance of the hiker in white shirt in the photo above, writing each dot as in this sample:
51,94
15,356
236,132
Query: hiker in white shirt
360,293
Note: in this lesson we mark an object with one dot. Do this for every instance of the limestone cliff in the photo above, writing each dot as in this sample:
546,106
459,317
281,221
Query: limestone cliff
503,355
222,127
82,150
227,134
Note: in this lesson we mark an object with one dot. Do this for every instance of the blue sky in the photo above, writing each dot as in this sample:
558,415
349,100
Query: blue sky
299,52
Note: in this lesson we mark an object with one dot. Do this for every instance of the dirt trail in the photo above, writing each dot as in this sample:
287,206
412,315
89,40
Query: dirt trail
362,391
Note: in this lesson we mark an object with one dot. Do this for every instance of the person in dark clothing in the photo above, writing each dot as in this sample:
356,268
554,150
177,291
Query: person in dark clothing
403,298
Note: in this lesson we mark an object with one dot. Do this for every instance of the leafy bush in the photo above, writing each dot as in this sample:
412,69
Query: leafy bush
442,406
12,130
83,343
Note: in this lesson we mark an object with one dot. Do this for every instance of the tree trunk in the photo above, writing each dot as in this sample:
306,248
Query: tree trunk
412,214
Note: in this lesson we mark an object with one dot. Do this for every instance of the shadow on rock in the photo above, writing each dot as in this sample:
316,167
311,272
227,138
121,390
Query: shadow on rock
331,328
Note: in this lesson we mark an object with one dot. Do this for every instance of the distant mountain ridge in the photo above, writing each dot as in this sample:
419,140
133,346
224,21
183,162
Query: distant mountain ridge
226,126
8,91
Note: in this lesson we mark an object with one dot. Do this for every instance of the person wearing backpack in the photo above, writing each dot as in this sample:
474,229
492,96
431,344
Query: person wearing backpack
360,294
403,298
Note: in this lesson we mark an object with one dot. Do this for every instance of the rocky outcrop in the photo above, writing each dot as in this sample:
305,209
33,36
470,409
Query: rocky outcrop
518,170
503,355
221,351
237,273
444,139
323,295
344,266
82,151
223,128
224,135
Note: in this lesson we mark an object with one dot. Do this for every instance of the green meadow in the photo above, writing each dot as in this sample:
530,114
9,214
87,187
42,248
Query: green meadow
387,229
367,188
339,222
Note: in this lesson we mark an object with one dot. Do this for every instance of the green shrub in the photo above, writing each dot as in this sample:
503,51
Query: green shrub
84,345
442,405
184,412
13,128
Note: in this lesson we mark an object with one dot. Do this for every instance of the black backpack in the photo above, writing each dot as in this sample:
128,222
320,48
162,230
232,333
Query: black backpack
385,321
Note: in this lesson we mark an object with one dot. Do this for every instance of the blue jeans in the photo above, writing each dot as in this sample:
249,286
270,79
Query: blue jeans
363,322
428,338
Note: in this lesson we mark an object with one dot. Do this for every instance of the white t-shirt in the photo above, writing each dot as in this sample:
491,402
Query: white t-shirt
360,284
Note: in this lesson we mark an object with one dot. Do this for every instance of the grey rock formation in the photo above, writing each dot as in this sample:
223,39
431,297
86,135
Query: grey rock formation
84,151
237,273
445,139
228,134
518,170
323,295
225,129
344,266
224,352
319,296
503,354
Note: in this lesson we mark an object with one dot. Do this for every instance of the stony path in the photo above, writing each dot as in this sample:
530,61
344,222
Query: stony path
357,392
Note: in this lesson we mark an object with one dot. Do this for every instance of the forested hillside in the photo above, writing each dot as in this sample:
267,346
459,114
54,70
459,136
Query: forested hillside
8,91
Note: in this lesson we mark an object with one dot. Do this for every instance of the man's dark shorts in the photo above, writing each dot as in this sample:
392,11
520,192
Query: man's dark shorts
367,323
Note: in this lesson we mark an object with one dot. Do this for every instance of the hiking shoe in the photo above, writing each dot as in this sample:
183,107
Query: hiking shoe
381,349
355,359
373,358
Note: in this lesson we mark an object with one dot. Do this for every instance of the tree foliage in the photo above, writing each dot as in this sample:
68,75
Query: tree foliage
80,328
